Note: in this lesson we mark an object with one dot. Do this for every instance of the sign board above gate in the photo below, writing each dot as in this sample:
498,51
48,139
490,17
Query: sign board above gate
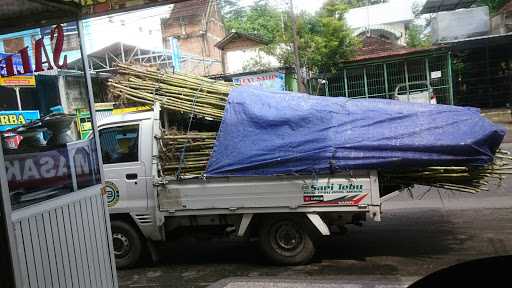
270,80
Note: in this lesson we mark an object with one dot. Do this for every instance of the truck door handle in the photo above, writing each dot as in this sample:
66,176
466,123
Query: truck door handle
131,176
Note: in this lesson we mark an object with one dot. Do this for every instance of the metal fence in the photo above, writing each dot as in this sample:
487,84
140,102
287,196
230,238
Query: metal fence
483,75
379,79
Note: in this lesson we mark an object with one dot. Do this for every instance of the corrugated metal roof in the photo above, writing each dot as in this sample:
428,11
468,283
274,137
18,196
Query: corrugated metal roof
375,48
434,6
393,53
112,49
102,115
481,41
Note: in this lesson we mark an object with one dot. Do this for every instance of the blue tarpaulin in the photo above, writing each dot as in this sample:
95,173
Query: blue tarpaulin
270,133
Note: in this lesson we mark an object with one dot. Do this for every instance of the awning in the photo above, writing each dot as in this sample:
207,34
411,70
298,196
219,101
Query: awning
434,6
17,15
480,42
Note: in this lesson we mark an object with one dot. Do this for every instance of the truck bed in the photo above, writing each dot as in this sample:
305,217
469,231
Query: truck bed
342,190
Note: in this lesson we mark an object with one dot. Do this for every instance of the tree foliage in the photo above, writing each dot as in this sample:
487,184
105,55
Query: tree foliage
261,19
331,40
324,38
415,39
362,3
494,5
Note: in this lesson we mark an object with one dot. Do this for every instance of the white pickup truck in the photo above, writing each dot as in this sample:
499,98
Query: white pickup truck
285,213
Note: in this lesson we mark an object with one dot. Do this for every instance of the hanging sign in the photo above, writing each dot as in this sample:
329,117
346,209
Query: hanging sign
435,74
23,80
270,80
84,123
13,119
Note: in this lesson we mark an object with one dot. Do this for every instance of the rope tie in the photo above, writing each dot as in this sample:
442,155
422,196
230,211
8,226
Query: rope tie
182,156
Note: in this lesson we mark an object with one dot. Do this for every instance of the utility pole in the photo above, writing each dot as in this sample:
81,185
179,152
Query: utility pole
296,49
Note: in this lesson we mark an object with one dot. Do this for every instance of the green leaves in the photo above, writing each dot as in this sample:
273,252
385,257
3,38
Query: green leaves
261,19
324,38
494,5
333,41
415,39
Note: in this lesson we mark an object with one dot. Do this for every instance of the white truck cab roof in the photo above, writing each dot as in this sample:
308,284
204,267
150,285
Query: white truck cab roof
128,117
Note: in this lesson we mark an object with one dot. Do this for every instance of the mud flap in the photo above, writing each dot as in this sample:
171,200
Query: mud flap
246,219
319,224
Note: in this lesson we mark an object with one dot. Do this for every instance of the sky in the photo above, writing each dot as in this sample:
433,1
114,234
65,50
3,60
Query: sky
142,28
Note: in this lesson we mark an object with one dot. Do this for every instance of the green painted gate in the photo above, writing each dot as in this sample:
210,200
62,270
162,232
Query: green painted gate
379,78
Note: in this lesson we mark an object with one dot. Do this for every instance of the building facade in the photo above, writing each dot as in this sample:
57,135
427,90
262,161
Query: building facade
193,28
243,52
389,21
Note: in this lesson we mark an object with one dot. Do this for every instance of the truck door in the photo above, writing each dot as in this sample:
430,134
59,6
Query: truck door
125,176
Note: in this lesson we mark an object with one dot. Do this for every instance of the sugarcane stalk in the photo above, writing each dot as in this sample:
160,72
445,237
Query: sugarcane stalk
183,107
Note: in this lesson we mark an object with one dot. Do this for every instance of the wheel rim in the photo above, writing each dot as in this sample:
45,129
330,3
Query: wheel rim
121,245
287,240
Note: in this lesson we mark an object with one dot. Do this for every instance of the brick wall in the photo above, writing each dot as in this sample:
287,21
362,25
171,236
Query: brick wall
185,24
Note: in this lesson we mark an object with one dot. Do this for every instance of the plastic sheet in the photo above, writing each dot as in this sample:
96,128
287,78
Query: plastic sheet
271,133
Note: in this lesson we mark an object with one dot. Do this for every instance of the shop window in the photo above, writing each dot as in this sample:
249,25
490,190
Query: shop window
45,153
120,144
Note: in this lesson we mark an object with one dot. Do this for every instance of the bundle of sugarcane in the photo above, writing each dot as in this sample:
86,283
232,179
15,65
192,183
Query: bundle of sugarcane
174,91
461,179
185,154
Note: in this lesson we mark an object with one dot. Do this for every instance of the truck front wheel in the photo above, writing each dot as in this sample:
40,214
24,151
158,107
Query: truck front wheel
285,241
127,244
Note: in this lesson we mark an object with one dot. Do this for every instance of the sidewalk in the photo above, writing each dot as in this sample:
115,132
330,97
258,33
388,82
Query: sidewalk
361,281
503,117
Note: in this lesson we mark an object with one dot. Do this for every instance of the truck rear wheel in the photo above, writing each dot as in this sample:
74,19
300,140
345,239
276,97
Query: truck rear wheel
285,241
127,244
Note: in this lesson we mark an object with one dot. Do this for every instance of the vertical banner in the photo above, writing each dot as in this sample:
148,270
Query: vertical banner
176,54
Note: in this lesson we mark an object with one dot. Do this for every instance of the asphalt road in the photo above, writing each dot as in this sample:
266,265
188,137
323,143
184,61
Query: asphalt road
406,245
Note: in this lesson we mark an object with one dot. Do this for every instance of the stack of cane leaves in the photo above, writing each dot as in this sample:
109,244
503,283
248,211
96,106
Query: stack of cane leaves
174,91
461,179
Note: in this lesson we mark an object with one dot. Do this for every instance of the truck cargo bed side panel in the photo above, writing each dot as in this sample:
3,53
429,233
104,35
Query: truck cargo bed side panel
232,195
277,191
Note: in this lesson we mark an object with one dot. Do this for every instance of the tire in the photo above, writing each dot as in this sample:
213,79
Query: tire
127,244
286,241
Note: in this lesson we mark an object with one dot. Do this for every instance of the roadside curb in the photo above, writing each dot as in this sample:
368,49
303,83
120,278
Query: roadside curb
349,281
495,202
